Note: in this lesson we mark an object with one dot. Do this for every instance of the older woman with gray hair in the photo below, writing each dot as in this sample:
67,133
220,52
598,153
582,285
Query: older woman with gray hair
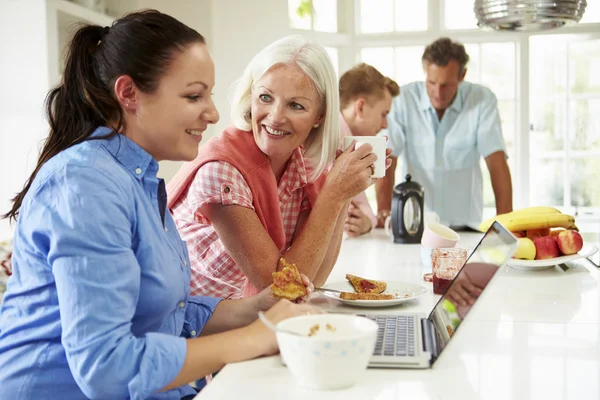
270,185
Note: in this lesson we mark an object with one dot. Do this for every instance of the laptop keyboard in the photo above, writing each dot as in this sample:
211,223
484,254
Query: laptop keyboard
396,335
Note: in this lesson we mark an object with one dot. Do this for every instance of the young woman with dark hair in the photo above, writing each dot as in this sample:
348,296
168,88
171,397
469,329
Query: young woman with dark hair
98,305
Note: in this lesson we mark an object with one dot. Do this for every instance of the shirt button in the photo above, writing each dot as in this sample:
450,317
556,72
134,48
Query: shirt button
227,189
166,229
193,333
185,263
181,304
138,171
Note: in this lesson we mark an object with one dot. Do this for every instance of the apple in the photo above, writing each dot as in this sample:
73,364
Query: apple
536,233
546,247
569,242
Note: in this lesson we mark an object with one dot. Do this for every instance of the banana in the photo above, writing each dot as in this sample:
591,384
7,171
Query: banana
536,210
522,222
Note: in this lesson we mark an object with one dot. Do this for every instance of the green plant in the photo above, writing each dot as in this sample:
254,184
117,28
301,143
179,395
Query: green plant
304,9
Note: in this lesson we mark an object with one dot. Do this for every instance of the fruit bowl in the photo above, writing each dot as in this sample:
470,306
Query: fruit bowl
587,250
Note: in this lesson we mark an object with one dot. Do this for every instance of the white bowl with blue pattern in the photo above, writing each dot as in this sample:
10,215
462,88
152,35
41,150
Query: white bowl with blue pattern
335,356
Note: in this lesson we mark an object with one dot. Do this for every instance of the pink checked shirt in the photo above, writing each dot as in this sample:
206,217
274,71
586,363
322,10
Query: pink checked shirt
214,272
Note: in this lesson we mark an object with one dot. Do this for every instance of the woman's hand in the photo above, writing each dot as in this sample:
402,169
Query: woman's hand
265,299
352,172
283,309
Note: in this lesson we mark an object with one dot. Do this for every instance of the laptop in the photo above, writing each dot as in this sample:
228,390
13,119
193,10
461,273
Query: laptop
416,341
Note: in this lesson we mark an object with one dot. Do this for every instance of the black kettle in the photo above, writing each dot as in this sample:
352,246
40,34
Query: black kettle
407,212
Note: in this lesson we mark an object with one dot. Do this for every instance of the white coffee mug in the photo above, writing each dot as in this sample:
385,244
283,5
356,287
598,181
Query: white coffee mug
378,144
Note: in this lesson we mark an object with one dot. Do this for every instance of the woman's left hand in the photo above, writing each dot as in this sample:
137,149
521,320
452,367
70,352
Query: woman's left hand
266,299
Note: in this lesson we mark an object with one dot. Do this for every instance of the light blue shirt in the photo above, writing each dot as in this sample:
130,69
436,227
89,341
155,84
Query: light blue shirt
98,305
444,156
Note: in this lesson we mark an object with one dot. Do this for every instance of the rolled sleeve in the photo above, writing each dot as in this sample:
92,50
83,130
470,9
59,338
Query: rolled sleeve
219,182
97,279
489,128
198,312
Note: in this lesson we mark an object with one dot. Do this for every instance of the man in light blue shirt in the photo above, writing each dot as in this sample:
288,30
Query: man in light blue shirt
441,128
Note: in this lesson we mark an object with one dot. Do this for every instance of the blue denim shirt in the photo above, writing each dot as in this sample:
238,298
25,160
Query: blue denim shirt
98,305
444,155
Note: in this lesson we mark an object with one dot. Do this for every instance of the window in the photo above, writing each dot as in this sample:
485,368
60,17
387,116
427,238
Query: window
565,120
317,15
403,64
332,52
379,16
459,14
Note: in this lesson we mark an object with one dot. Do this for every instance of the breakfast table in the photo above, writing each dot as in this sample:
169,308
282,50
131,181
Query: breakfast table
532,335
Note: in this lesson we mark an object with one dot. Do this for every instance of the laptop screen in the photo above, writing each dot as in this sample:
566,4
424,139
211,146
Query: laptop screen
494,249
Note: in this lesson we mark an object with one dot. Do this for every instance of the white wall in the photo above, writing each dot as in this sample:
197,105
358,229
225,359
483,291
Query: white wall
23,86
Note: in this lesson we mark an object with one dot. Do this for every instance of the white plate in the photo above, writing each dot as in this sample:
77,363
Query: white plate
533,265
403,291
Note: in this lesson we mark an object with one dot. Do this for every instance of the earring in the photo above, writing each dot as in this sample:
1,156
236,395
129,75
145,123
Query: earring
315,125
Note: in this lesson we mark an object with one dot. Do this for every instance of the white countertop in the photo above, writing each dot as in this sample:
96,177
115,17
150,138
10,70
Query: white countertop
532,335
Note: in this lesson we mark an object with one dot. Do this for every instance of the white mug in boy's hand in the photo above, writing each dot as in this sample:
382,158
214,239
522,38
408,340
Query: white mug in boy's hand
378,144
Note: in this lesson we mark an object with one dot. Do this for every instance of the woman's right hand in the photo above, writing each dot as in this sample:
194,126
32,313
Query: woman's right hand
283,309
351,173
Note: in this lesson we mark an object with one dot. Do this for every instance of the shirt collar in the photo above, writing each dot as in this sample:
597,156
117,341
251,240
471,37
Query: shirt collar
135,159
456,105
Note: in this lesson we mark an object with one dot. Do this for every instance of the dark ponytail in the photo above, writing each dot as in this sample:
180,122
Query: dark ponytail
140,45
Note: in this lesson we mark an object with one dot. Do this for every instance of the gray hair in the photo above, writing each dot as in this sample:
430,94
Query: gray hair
312,59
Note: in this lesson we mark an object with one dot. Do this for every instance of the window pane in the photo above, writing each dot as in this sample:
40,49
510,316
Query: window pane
498,68
325,15
584,60
410,15
381,58
376,16
548,125
299,12
547,72
585,174
459,14
474,64
546,181
585,124
592,12
408,65
332,52
547,66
